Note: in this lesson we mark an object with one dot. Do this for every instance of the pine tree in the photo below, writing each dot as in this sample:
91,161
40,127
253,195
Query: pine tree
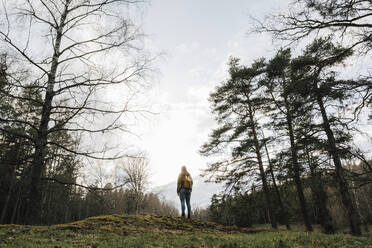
237,103
284,109
316,83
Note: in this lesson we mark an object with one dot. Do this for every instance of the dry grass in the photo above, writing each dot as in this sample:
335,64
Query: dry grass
164,231
150,223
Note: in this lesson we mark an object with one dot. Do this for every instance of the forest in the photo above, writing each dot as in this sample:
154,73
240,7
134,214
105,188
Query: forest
285,145
51,109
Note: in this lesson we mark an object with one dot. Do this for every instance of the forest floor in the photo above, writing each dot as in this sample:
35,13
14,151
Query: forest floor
164,231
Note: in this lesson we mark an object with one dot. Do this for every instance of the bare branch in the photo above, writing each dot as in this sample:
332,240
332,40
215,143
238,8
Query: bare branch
83,186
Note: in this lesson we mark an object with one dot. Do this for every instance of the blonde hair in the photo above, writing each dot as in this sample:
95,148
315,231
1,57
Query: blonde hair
184,170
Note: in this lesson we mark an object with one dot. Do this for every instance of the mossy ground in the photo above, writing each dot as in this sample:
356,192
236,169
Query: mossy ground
161,231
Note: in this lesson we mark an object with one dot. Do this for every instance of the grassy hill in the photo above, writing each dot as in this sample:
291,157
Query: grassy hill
164,231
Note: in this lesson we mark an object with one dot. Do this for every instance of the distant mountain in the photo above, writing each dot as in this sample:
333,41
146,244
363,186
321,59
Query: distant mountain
202,192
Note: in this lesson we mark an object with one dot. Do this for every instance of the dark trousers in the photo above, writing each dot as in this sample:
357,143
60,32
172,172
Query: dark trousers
185,195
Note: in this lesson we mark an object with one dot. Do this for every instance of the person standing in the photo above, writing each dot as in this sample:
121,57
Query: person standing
184,188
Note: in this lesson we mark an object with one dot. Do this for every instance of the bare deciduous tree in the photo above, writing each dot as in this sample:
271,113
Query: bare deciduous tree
74,50
135,172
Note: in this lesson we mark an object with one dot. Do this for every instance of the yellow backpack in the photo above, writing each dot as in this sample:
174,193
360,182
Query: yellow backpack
187,182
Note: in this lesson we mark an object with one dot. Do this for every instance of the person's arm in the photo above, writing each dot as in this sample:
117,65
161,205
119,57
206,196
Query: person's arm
191,183
178,184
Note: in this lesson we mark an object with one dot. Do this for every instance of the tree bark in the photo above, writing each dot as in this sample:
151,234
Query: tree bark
16,206
38,163
284,210
354,220
317,187
16,165
296,167
7,198
262,171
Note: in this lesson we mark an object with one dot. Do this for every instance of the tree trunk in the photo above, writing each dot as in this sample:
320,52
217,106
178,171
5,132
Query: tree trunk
262,171
284,210
66,219
16,206
7,200
320,197
16,164
38,163
296,168
354,220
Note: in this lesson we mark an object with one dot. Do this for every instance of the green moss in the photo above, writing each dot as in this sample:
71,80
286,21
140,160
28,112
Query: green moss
164,231
145,223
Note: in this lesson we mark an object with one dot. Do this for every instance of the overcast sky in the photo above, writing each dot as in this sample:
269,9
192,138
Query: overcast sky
197,38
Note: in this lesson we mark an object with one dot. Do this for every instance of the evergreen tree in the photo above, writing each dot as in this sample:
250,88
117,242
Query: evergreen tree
283,208
237,104
348,19
284,111
318,85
